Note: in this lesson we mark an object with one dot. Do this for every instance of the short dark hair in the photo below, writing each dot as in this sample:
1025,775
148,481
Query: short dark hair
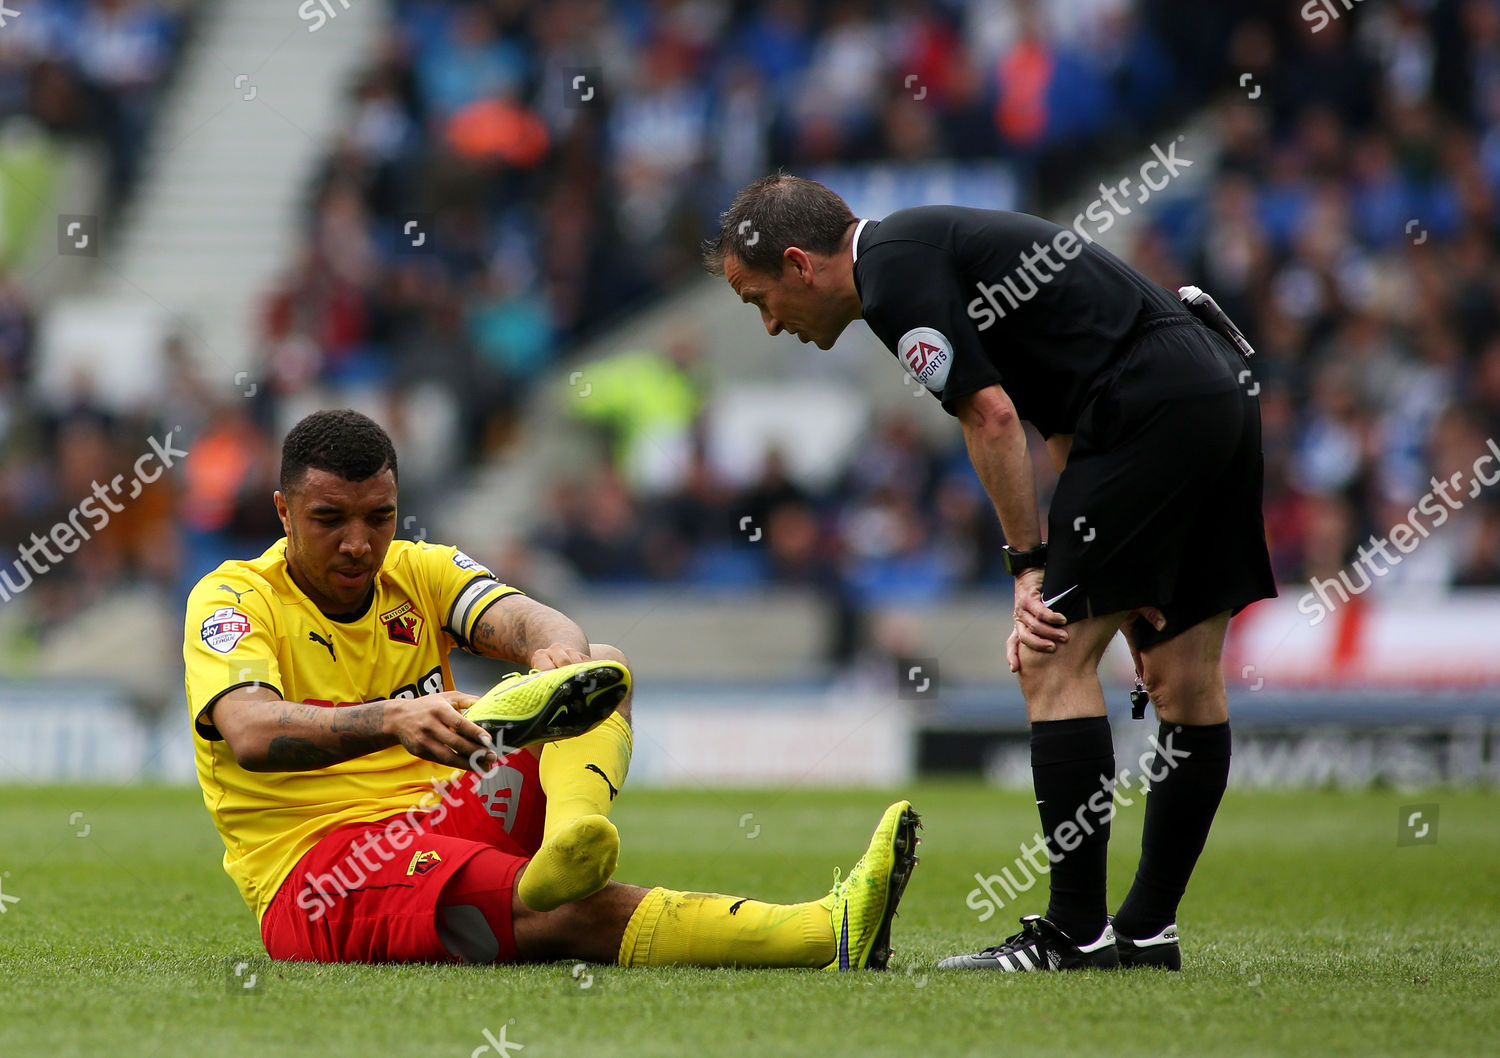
773,213
342,442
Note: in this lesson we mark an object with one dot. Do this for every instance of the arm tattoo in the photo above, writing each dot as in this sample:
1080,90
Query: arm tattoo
512,631
486,638
358,720
337,735
298,714
289,753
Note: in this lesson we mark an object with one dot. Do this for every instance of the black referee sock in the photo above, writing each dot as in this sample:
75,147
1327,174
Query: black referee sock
1072,771
1193,764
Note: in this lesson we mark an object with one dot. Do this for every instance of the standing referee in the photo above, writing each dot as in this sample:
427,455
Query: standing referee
1155,528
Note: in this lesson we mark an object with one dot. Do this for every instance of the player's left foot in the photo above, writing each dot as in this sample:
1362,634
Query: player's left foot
573,864
544,706
1041,946
863,904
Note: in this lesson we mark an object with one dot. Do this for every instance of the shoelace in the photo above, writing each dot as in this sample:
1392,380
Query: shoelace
841,881
1029,933
838,885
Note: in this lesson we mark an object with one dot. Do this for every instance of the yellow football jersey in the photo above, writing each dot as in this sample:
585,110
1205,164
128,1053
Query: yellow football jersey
248,623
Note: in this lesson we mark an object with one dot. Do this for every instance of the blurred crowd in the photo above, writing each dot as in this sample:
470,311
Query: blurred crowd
92,69
92,73
1351,229
514,177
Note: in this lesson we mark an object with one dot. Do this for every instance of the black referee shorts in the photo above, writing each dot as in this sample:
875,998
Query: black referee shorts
1160,501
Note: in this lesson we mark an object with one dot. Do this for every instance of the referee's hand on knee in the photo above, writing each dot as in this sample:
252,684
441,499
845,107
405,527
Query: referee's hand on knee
1035,625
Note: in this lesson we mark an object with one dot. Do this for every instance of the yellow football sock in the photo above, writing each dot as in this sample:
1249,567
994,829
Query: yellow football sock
580,847
581,776
572,864
670,928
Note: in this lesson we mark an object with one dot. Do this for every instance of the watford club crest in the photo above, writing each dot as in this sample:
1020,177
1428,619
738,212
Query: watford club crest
423,862
403,624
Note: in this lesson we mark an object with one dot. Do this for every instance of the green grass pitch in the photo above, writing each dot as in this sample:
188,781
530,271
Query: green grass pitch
1307,931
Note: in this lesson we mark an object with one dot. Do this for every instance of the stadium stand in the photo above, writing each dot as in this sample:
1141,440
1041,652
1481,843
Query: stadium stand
511,187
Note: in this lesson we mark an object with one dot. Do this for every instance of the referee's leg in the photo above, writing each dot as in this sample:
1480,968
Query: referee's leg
1185,678
1185,674
1073,771
1063,683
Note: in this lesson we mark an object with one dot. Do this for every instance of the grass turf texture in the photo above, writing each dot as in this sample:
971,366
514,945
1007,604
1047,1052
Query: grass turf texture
1307,931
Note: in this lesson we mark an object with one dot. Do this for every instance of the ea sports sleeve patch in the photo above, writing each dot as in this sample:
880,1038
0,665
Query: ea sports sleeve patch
913,301
927,356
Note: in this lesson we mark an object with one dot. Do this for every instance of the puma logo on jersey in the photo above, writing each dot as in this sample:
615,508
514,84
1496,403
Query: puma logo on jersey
238,595
314,637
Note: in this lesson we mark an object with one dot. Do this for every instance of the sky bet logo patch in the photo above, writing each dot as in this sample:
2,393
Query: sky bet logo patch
224,628
464,562
927,356
403,624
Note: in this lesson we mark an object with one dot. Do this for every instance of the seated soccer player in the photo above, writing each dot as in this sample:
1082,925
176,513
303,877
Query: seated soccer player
372,813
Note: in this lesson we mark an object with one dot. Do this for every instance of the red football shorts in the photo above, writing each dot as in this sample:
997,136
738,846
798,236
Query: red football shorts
374,892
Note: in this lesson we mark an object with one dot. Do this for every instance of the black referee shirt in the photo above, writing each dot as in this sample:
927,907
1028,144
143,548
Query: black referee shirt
967,298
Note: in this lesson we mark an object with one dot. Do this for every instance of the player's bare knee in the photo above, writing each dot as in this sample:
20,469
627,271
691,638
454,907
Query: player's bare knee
605,652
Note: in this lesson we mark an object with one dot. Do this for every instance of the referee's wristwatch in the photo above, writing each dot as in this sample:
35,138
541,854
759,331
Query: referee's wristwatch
1018,562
